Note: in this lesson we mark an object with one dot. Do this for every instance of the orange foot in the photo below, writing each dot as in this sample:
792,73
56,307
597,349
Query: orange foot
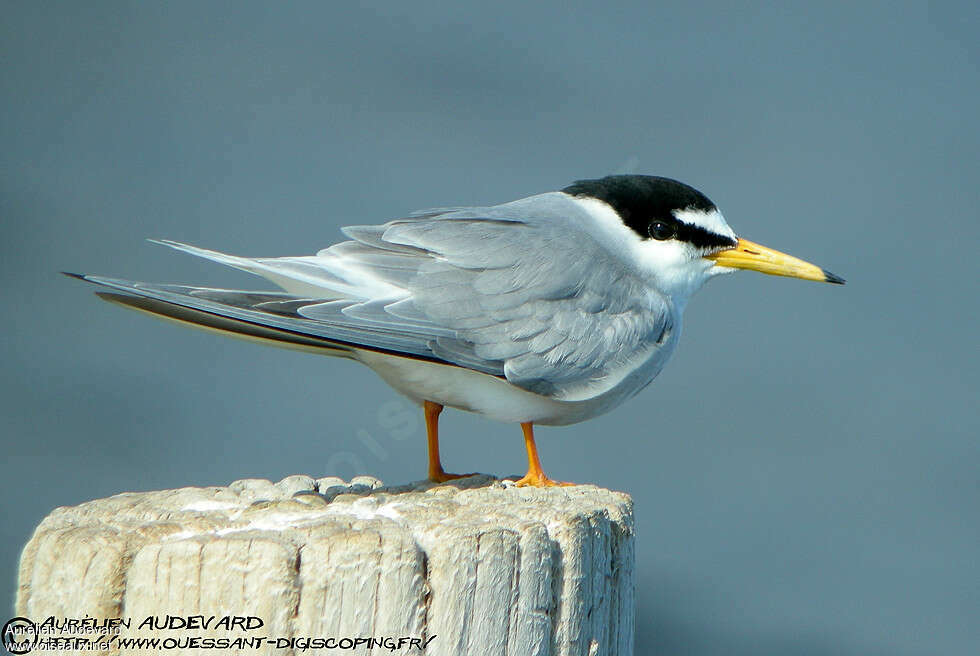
535,476
538,479
442,477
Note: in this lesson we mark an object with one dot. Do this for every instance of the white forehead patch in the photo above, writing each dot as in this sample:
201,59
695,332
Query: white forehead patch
712,221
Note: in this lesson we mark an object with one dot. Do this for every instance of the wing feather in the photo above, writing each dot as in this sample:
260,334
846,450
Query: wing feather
524,290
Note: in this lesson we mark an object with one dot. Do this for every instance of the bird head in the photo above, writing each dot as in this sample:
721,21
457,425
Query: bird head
678,237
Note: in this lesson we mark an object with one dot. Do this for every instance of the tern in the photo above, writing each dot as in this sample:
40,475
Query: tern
550,309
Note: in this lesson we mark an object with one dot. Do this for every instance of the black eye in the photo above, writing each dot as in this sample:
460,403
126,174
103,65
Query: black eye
661,231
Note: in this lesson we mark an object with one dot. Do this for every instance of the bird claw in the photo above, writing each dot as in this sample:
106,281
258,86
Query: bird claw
443,477
540,480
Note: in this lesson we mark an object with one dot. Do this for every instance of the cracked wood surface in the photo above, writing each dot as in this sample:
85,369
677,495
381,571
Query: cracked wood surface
481,565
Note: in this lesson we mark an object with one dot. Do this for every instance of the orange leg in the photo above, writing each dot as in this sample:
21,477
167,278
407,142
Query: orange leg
535,476
436,473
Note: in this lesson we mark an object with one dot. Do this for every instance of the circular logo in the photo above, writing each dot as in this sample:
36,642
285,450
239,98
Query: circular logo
19,635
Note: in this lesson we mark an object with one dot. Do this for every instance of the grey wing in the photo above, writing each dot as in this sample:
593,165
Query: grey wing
524,289
269,315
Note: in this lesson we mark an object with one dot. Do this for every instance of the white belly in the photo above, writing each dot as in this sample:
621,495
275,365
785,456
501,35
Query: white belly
469,390
464,389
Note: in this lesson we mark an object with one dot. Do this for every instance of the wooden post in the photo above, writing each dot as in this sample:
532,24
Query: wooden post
473,567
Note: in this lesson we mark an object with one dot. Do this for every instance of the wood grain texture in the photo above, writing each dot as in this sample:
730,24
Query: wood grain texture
478,565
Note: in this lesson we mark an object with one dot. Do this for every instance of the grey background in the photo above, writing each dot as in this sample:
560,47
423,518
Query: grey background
805,471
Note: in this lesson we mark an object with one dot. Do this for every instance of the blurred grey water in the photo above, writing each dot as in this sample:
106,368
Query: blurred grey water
806,469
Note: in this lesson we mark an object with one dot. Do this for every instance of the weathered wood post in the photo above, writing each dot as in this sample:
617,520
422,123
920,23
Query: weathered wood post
464,569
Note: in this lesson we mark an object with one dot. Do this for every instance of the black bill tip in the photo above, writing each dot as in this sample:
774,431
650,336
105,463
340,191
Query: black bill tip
829,277
80,276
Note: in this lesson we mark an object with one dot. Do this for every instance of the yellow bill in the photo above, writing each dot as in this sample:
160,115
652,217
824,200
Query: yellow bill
750,255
